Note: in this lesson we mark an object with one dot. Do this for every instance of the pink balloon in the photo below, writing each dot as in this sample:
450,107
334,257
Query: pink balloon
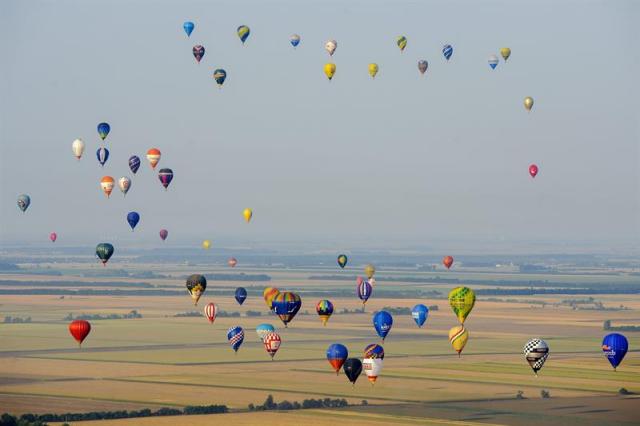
53,237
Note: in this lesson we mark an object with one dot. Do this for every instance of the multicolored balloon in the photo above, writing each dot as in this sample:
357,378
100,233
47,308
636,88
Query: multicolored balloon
422,66
382,322
331,46
536,352
196,285
79,329
419,313
164,234
124,183
342,260
134,163
373,70
153,155
493,61
24,201
462,300
447,51
210,311
103,130
77,147
528,103
372,368
263,329
294,39
363,290
133,218
337,355
188,27
235,336
352,369
615,347
458,337
374,351
324,308
401,42
269,294
106,183
241,295
243,33
505,52
329,70
198,52
165,176
272,342
103,155
219,76
286,305
533,170
53,237
104,251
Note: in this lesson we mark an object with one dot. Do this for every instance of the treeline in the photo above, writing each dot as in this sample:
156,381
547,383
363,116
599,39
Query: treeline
608,327
16,320
15,283
41,419
219,314
378,292
619,289
96,317
402,310
236,277
271,404
90,292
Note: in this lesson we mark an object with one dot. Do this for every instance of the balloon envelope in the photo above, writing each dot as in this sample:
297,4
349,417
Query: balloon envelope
106,183
241,295
462,300
372,368
164,234
373,70
272,342
53,237
364,290
268,294
79,329
331,46
458,337
294,39
374,351
505,52
196,285
536,352
165,176
24,201
493,61
264,329
528,103
329,70
210,311
206,244
103,130
243,33
153,155
352,369
615,347
447,261
447,51
247,214
220,76
232,262
401,42
198,52
337,355
369,270
286,305
419,313
382,322
324,308
422,66
133,218
104,251
188,27
533,170
103,155
235,336
342,260
77,146
124,183
134,163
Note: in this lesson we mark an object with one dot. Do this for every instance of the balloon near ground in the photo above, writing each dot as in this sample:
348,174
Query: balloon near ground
615,347
79,329
286,305
235,336
374,351
462,300
232,262
352,369
210,311
458,337
536,352
264,329
419,313
240,295
196,285
337,354
272,342
382,322
342,260
372,368
104,251
24,201
324,308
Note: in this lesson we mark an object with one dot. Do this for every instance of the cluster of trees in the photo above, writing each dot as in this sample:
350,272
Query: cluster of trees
402,310
73,284
16,320
41,419
131,315
271,404
236,277
608,327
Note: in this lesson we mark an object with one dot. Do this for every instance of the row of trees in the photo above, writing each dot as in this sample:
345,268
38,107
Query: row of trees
271,404
131,315
16,320
608,327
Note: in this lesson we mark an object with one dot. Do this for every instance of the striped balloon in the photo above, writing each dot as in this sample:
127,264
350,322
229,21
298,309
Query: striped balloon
243,33
165,176
153,155
286,305
447,51
210,312
324,308
103,155
364,290
458,337
235,335
272,343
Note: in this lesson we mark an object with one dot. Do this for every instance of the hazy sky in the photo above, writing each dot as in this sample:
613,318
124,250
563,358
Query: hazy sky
442,156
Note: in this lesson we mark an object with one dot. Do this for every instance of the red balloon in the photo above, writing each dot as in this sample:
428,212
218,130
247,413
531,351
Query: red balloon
210,312
79,329
447,261
53,237
272,343
232,262
533,170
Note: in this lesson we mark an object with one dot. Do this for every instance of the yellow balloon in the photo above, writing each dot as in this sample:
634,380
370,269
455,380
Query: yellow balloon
369,270
462,300
373,70
206,244
505,52
528,103
247,213
329,70
402,42
458,337
269,294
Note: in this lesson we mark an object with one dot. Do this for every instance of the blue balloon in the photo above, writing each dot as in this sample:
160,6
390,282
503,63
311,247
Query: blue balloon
103,130
134,163
382,321
133,218
447,51
235,336
188,27
336,355
241,295
103,155
420,314
615,347
23,202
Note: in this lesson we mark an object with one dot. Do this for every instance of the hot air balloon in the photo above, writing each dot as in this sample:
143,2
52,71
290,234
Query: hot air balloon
337,355
369,271
294,39
165,176
164,234
243,33
232,262
352,369
373,70
324,308
206,244
372,368
268,294
420,313
447,261
331,46
235,336
196,285
615,347
264,329
533,170
342,260
422,66
210,311
198,52
153,155
248,214
536,352
462,300
219,76
329,70
241,295
106,183
363,290
104,251
124,183
458,337
188,27
447,51
382,322
401,42
24,201
77,146
134,163
493,61
374,351
528,103
133,218
53,237
286,305
103,130
103,155
79,329
272,343
505,52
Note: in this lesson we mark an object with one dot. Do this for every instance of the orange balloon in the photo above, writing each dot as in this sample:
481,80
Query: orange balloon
447,261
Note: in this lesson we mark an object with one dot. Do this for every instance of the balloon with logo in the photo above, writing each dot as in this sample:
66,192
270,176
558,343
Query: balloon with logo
165,176
337,355
106,183
196,285
104,251
458,337
188,27
286,305
342,260
422,66
264,329
363,290
374,351
198,52
462,300
77,147
53,237
505,52
294,39
235,336
24,201
272,342
103,155
615,347
419,313
103,130
124,183
369,271
268,294
134,163
352,369
164,234
533,170
493,61
382,322
241,295
447,51
153,156
210,311
372,368
220,76
133,218
536,352
243,33
79,329
324,308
